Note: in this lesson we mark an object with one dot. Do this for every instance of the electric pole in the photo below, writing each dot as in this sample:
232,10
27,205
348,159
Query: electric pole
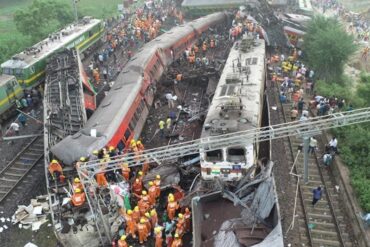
74,3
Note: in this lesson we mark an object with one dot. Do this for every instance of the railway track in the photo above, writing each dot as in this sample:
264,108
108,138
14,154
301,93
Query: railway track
323,225
17,169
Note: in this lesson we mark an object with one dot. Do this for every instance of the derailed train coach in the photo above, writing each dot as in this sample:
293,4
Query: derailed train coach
121,115
236,106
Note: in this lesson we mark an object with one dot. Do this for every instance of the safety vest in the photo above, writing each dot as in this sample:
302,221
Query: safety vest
78,199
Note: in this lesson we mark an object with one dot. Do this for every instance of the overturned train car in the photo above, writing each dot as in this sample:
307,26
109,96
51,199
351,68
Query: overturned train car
121,115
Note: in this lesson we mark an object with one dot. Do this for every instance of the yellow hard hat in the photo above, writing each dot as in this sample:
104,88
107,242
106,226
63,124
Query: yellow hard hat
181,216
138,142
153,212
106,156
171,199
157,229
176,235
158,177
151,183
54,161
95,152
123,237
129,212
144,193
111,148
132,141
136,208
82,159
125,164
77,180
170,195
142,220
140,173
77,190
147,214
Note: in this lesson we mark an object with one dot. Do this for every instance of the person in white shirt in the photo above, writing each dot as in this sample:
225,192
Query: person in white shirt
15,127
333,144
170,100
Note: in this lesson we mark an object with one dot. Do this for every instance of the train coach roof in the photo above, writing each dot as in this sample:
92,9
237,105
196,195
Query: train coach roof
213,3
46,46
245,85
5,78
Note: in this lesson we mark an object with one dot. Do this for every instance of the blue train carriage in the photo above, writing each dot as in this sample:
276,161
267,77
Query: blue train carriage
10,91
236,106
29,66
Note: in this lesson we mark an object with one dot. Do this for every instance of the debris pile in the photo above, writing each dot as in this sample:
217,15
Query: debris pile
32,216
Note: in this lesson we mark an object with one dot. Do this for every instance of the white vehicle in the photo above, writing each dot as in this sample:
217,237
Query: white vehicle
236,106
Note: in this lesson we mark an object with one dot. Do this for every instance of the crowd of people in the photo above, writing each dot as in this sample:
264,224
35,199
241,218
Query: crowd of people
132,31
143,214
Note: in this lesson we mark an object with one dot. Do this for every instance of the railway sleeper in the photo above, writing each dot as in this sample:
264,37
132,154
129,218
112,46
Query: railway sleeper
12,174
326,243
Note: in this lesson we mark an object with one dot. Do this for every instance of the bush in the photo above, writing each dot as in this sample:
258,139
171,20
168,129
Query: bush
355,152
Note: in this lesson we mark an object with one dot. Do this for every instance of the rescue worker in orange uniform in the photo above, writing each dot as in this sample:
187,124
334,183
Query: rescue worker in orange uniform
172,206
125,171
152,192
179,77
140,176
196,48
177,242
78,198
187,217
153,217
77,184
144,203
132,144
140,145
158,237
136,214
122,241
142,230
101,179
146,167
96,75
137,187
212,43
130,223
157,183
55,170
180,226
204,47
147,222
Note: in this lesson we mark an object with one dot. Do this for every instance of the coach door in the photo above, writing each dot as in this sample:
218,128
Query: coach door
10,91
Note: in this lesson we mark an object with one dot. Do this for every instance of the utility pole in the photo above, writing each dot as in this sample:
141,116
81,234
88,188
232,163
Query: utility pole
306,143
74,3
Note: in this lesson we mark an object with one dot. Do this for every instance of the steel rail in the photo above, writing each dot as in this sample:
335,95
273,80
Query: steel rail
13,162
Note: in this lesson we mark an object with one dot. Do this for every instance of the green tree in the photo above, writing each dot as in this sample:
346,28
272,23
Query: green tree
328,47
42,18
